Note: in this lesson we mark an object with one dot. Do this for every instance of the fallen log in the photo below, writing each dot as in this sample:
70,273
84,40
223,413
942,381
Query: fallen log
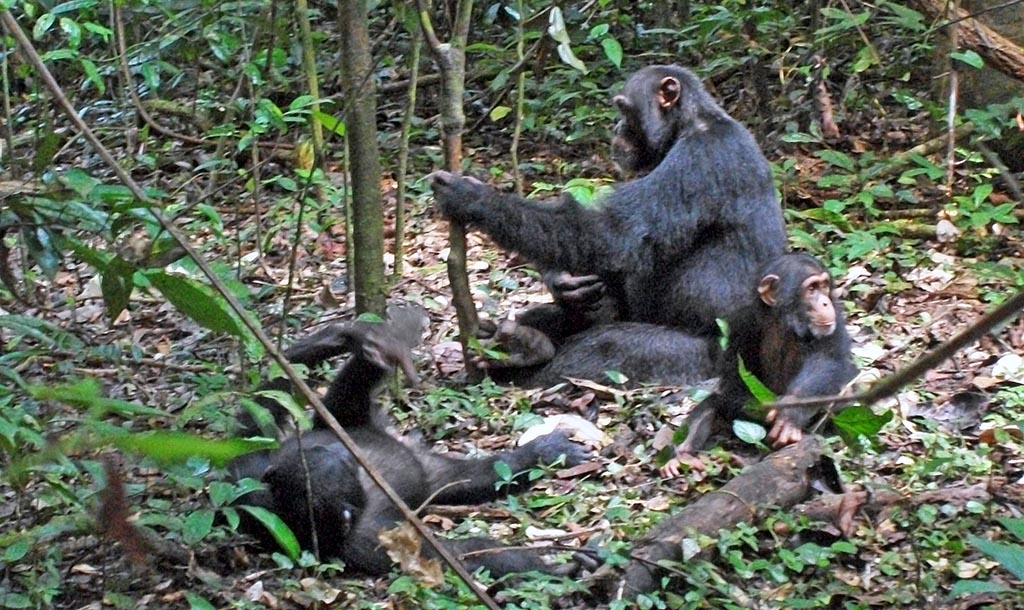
780,480
999,51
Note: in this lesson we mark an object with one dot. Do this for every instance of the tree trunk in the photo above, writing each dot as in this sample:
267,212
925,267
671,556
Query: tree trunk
451,61
367,250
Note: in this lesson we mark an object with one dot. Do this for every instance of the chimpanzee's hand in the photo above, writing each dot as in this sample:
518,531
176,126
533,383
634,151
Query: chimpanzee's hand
581,292
788,424
674,467
387,352
550,447
459,198
523,346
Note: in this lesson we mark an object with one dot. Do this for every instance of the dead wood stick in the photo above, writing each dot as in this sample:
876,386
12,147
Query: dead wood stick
828,507
999,51
781,479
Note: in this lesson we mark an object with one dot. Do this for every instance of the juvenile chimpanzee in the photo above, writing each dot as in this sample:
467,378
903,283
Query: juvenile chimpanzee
348,509
793,339
678,246
644,353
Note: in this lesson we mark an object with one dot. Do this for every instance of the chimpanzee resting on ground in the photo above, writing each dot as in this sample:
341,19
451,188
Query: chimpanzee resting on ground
644,353
793,339
348,508
678,246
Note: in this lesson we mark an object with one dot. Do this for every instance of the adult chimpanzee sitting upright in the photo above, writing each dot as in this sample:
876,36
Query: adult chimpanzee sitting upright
678,246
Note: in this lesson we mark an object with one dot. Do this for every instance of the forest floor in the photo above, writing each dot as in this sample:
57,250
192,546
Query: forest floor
952,452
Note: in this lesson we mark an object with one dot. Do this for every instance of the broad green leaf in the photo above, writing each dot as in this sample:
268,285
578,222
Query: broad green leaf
197,602
837,158
294,409
1015,526
970,58
858,420
499,113
59,55
150,75
277,528
965,587
73,6
231,514
866,57
198,525
723,333
195,301
759,390
86,393
43,24
177,447
907,18
79,181
612,50
504,471
18,549
332,123
42,249
981,193
72,30
1010,556
222,493
616,377
300,102
749,432
16,600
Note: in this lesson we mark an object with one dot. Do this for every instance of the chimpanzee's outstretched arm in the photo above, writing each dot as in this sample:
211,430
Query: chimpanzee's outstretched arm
562,235
472,481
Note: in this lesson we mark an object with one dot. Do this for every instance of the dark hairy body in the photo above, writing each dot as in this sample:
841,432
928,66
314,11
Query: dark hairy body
349,510
793,338
678,246
643,353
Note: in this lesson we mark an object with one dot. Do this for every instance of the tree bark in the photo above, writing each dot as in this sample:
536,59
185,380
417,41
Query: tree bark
780,480
451,61
403,151
999,52
366,255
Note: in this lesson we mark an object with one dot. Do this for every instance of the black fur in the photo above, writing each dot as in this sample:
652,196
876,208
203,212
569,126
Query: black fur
777,347
644,353
349,510
679,246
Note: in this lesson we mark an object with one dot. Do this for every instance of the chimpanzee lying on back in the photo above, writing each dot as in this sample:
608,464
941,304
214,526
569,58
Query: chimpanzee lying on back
348,509
679,246
793,338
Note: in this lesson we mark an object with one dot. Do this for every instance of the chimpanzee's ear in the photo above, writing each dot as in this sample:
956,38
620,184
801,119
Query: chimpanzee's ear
768,289
668,92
